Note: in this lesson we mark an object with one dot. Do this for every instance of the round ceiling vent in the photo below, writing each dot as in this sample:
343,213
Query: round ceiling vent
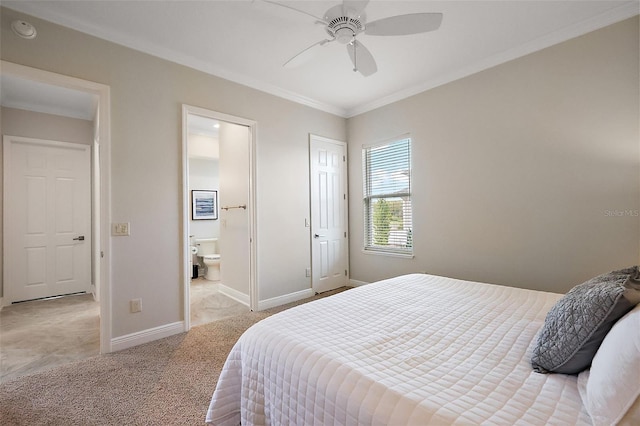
24,29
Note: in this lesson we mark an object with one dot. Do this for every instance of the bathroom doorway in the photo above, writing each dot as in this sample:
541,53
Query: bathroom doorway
218,216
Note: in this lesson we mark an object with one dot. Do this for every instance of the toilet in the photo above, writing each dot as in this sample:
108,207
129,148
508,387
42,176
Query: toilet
208,252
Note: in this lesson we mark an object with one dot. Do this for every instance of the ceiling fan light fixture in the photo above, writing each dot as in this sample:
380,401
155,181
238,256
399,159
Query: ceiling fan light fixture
24,29
344,35
343,26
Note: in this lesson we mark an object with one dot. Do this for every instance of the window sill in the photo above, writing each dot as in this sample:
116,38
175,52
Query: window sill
389,254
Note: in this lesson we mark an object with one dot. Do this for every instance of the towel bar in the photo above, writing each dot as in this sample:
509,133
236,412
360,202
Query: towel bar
234,207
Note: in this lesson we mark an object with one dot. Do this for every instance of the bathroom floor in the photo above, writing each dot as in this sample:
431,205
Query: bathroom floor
208,305
42,334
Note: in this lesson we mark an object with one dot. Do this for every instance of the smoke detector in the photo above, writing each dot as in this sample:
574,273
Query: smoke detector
24,29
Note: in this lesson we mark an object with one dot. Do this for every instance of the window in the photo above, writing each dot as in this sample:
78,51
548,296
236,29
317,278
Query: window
387,197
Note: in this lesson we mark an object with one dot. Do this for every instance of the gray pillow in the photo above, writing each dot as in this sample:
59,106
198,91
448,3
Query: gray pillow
578,323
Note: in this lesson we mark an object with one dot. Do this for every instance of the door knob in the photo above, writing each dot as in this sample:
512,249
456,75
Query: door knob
80,238
317,236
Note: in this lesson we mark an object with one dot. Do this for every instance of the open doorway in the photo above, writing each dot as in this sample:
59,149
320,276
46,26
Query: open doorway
45,112
218,216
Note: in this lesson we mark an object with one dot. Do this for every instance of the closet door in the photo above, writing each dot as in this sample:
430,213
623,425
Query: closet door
47,218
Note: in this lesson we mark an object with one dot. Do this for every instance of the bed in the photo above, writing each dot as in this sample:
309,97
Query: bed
412,350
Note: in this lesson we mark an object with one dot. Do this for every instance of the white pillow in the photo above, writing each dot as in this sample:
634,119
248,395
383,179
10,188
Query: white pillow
612,385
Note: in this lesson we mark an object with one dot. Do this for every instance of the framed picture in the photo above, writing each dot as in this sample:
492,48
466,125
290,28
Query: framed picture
204,205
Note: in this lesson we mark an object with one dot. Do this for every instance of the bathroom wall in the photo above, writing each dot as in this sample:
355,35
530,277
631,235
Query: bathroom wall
204,175
235,250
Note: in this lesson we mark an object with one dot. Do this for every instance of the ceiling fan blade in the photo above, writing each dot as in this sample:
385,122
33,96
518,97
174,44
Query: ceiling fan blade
297,10
362,59
413,23
305,55
356,5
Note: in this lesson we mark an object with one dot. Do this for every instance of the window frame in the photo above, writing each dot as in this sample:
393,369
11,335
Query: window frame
367,197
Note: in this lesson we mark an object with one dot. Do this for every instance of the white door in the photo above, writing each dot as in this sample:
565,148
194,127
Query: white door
233,199
47,218
329,255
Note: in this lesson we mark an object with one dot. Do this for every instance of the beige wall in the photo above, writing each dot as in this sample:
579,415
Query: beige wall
518,171
37,125
146,98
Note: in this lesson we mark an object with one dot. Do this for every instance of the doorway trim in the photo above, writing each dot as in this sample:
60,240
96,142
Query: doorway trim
251,208
101,189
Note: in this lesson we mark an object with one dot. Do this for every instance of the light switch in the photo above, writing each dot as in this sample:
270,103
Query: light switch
120,229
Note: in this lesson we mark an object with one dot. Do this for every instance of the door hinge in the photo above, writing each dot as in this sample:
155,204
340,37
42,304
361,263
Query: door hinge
345,234
344,158
345,272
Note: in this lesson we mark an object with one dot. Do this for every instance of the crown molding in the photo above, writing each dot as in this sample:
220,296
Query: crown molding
610,17
172,56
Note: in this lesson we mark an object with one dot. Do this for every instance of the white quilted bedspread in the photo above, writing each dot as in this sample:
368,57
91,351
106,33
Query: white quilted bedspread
412,350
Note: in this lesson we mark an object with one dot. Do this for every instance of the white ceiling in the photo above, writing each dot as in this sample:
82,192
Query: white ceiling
203,135
204,126
248,41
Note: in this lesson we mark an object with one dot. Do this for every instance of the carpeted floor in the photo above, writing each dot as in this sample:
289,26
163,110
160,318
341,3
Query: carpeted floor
166,382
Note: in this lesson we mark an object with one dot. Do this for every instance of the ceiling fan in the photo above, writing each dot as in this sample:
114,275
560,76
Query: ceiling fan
344,22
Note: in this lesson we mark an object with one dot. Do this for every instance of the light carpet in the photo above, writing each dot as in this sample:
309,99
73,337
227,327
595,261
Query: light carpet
166,382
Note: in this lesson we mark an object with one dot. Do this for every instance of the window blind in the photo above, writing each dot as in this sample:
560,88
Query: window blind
387,197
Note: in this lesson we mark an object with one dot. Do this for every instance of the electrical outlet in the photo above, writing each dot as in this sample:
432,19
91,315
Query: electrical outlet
307,272
135,305
120,229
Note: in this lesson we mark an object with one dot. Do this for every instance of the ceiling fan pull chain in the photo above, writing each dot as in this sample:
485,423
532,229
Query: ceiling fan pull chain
355,55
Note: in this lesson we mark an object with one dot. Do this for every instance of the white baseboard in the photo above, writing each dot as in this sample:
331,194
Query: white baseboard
145,336
287,298
234,294
356,283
